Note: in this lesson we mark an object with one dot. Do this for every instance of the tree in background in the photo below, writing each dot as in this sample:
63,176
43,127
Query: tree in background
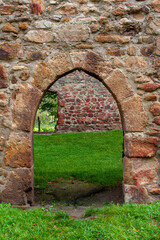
47,111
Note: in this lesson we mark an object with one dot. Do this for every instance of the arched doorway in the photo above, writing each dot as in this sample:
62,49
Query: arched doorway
26,99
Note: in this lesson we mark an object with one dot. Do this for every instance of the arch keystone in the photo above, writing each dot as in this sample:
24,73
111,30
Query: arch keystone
77,59
96,65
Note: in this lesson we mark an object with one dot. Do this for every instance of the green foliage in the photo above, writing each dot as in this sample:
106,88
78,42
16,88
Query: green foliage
49,104
114,222
93,156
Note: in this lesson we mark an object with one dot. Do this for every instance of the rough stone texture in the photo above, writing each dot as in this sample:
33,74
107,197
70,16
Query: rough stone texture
9,50
43,76
84,104
140,171
18,151
118,85
18,188
39,36
3,78
136,194
26,100
135,116
124,36
140,147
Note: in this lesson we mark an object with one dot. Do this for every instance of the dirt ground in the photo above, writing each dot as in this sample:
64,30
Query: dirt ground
75,197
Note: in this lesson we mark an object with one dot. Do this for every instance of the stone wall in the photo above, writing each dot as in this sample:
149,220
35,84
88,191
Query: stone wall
84,104
118,42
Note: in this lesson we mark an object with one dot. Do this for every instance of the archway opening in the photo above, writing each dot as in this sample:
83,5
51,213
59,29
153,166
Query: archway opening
82,157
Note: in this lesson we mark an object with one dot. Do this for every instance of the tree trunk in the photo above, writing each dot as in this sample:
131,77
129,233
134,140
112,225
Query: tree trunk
39,124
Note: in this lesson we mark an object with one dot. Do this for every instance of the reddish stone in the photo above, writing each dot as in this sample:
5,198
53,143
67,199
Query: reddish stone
155,191
26,99
18,151
118,11
115,52
37,6
148,87
24,76
68,8
37,55
157,120
111,38
9,9
140,147
19,187
147,51
9,50
155,109
3,78
150,97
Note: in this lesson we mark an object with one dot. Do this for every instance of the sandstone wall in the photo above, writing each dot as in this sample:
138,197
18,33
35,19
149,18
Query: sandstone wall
118,42
85,104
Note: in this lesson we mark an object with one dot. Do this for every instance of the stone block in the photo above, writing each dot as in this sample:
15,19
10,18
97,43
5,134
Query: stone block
37,6
18,150
148,87
43,76
134,62
111,38
61,64
39,36
77,59
155,109
118,85
135,194
140,147
18,188
157,120
3,78
9,28
9,50
26,99
94,64
134,114
140,171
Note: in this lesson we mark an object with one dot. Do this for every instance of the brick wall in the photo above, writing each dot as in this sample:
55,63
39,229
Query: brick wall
85,104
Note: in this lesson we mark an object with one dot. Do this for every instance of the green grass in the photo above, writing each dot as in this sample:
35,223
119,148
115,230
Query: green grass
45,127
127,222
95,157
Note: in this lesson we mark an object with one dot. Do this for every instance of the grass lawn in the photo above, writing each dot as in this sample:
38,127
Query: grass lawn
113,222
95,157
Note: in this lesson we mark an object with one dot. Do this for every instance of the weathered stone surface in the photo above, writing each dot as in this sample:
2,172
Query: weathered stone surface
143,79
68,8
9,50
131,50
23,26
26,99
115,51
73,33
37,6
140,171
155,109
3,99
135,116
135,194
19,68
9,28
157,120
135,62
148,87
147,51
118,11
39,36
118,85
154,26
7,9
158,46
109,38
18,151
156,5
140,147
155,191
24,76
32,56
43,76
18,189
150,97
44,24
94,64
61,64
3,78
77,59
